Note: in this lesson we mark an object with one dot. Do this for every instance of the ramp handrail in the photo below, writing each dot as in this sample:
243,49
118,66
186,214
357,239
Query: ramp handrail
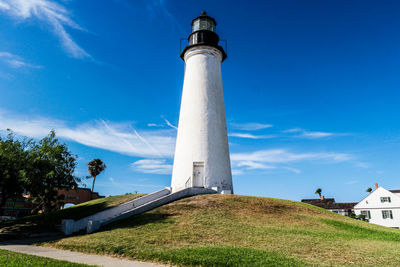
187,182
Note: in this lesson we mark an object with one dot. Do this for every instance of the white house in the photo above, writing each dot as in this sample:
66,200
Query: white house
381,207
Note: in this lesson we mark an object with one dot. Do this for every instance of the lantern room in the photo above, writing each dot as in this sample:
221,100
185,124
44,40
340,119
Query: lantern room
204,22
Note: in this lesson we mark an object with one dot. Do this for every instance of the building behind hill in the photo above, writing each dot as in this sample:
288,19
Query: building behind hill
18,207
345,209
381,207
22,206
76,196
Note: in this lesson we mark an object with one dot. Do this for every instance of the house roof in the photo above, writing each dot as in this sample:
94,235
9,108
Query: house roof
329,203
395,191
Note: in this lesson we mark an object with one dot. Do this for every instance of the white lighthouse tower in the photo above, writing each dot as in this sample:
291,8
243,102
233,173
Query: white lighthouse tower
202,151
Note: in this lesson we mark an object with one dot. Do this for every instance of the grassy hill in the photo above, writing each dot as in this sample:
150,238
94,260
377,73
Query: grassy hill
232,230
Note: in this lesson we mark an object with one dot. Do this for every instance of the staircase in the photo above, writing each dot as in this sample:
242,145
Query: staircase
134,207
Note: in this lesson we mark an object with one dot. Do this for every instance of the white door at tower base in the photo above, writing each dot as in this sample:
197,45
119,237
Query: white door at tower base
198,174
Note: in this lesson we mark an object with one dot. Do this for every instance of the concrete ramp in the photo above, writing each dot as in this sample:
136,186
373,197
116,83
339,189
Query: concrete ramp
134,207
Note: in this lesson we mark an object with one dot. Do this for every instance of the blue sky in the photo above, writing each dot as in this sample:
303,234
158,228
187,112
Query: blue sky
311,89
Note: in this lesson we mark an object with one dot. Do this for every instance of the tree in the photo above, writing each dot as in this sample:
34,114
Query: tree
95,167
369,190
318,191
14,155
51,167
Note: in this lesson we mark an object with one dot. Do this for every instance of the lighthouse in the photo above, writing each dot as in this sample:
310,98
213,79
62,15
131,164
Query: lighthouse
202,151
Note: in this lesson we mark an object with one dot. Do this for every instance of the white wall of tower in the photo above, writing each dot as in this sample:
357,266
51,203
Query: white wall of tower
202,133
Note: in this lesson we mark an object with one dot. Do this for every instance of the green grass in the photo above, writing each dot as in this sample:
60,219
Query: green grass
355,231
221,256
14,259
232,230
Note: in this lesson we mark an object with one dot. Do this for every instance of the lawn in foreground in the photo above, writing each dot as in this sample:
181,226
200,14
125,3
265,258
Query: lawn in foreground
14,259
229,230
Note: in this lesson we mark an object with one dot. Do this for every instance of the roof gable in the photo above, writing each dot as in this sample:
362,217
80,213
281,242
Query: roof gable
373,199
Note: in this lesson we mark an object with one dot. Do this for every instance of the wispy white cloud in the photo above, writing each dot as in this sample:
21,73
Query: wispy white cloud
50,13
310,134
279,158
15,61
351,182
293,130
251,136
156,166
297,171
4,6
316,134
154,125
250,165
117,137
237,172
170,124
253,126
284,156
362,165
158,9
166,123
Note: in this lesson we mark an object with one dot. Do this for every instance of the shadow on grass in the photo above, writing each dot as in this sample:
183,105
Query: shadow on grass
49,223
45,224
52,236
138,220
76,212
55,217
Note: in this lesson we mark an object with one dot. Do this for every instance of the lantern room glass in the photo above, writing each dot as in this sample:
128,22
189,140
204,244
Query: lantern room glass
203,24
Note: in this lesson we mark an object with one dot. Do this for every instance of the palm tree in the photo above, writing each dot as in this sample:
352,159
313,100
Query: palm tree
95,167
369,190
318,191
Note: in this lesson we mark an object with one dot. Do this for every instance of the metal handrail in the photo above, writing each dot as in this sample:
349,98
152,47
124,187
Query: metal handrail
188,180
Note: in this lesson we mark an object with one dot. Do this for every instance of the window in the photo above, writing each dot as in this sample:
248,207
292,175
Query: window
366,213
385,199
386,214
203,24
